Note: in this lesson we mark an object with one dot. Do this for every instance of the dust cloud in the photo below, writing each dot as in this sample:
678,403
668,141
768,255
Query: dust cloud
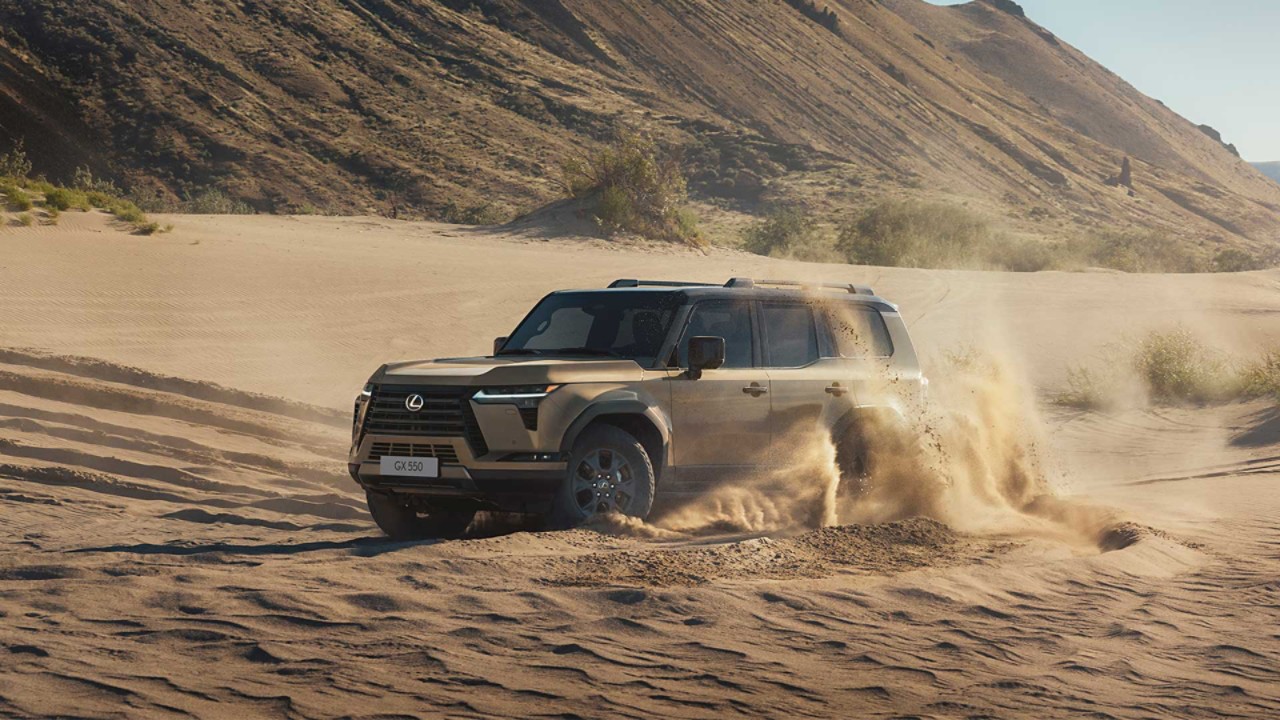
967,454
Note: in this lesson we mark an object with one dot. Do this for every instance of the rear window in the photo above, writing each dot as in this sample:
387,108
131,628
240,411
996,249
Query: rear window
858,331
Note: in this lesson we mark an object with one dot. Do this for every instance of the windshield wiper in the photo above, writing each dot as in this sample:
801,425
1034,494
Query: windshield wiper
583,351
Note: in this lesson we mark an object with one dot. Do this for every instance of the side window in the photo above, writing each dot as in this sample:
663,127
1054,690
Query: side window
791,335
729,320
858,331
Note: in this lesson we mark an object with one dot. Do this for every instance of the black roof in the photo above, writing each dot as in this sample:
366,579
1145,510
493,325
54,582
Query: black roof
740,287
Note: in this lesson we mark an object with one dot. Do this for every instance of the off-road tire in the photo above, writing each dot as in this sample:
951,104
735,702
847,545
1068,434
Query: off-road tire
853,461
567,509
403,522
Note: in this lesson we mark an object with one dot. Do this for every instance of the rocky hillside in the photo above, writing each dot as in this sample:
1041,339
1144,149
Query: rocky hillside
1270,169
429,106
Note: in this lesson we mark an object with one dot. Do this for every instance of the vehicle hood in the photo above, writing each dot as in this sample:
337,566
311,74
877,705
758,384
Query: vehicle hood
514,370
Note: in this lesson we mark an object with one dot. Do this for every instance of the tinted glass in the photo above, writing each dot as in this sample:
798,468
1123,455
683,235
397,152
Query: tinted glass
729,320
791,335
859,331
623,324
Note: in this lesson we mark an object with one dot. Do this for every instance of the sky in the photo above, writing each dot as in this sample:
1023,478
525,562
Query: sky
1215,62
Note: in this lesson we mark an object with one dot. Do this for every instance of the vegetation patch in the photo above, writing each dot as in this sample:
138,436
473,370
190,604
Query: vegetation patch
485,213
1168,367
916,234
85,194
790,232
209,201
910,233
634,186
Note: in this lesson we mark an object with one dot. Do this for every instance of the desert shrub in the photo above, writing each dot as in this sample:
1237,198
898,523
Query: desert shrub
1236,260
484,213
1165,367
25,219
15,164
307,208
150,228
915,234
637,187
128,212
780,231
687,223
16,198
1087,389
1021,255
84,181
1262,378
1136,252
1177,367
100,199
60,198
212,201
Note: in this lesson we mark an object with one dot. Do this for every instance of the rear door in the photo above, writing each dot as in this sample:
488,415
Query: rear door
721,420
807,385
861,339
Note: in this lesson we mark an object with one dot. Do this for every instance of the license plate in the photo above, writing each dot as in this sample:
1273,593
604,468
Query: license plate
426,467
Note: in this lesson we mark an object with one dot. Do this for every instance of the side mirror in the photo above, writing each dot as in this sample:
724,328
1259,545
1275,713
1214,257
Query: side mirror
705,353
498,342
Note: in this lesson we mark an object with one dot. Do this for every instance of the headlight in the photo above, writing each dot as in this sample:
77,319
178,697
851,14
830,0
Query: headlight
526,396
365,395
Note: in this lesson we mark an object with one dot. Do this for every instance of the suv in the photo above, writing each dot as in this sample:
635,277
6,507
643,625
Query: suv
606,400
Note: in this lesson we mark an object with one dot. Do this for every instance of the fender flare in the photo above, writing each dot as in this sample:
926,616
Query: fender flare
621,407
857,414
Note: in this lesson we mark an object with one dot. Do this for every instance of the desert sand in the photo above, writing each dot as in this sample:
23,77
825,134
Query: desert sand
178,536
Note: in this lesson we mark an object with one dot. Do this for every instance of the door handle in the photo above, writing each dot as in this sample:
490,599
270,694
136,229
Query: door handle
835,389
755,390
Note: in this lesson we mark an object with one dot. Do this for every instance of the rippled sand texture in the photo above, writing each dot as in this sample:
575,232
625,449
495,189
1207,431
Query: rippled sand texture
177,540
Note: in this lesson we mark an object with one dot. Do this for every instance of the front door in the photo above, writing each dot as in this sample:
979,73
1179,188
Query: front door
721,420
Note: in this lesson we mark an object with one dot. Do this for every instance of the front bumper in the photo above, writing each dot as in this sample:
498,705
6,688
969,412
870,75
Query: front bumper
489,482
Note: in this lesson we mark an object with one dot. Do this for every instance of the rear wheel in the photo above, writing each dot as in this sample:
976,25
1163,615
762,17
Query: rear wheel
608,472
401,521
853,462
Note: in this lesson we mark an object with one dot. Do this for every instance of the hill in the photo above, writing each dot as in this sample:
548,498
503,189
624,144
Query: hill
1270,169
461,107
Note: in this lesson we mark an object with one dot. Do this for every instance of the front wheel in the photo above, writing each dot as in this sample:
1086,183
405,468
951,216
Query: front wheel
401,521
609,472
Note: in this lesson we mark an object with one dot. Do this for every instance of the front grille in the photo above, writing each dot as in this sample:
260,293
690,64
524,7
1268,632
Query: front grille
446,412
446,454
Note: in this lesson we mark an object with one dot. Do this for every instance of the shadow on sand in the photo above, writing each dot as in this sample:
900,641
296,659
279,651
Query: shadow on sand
1264,431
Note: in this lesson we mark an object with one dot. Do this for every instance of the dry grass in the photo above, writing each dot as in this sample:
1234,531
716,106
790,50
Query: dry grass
790,232
21,194
636,187
1262,377
910,233
15,198
1168,367
916,234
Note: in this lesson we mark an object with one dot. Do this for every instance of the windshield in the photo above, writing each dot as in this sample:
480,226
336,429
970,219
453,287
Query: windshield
631,324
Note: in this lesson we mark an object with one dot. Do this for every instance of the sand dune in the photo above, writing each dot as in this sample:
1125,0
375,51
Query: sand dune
180,537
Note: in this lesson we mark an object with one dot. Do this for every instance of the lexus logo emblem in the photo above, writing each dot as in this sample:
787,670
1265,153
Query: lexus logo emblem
414,402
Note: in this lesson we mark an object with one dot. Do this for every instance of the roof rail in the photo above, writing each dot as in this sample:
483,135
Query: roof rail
846,287
632,282
743,283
